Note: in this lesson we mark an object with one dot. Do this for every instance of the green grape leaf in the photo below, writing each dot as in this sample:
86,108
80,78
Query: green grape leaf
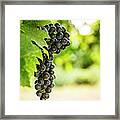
28,51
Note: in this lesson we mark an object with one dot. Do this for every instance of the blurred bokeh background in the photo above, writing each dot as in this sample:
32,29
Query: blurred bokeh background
77,68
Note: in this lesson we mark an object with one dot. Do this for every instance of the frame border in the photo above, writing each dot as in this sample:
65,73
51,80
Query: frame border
117,65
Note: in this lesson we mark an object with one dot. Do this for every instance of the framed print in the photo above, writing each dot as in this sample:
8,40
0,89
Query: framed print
60,59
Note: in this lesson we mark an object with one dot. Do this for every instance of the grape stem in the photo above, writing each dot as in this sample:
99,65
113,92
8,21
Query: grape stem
34,43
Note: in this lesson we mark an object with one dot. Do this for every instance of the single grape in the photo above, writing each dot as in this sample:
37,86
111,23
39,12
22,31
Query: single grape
51,25
47,82
52,30
51,57
58,44
59,35
54,77
43,67
47,69
51,86
41,98
52,35
43,28
52,67
48,64
45,57
54,48
36,81
57,25
45,95
63,47
41,82
40,75
63,29
67,35
37,87
53,40
38,93
57,51
68,43
43,90
59,29
47,27
46,76
48,90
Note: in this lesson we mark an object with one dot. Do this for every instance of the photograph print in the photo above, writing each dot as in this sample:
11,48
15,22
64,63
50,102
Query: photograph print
60,60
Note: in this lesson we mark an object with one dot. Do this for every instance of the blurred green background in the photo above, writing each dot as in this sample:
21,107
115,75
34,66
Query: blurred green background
77,67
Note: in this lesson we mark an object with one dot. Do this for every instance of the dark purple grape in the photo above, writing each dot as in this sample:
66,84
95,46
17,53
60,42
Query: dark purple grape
40,75
57,51
51,25
63,47
48,63
41,98
37,87
47,69
43,90
47,82
52,35
51,86
43,28
47,27
46,76
38,93
54,48
41,82
59,35
35,74
36,82
52,67
51,57
68,43
64,41
52,77
47,40
59,29
58,44
57,25
45,95
67,35
52,30
43,67
45,57
63,29
48,90
53,40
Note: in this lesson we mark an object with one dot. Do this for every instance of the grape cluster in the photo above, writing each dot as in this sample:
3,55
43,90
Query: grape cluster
58,37
58,40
